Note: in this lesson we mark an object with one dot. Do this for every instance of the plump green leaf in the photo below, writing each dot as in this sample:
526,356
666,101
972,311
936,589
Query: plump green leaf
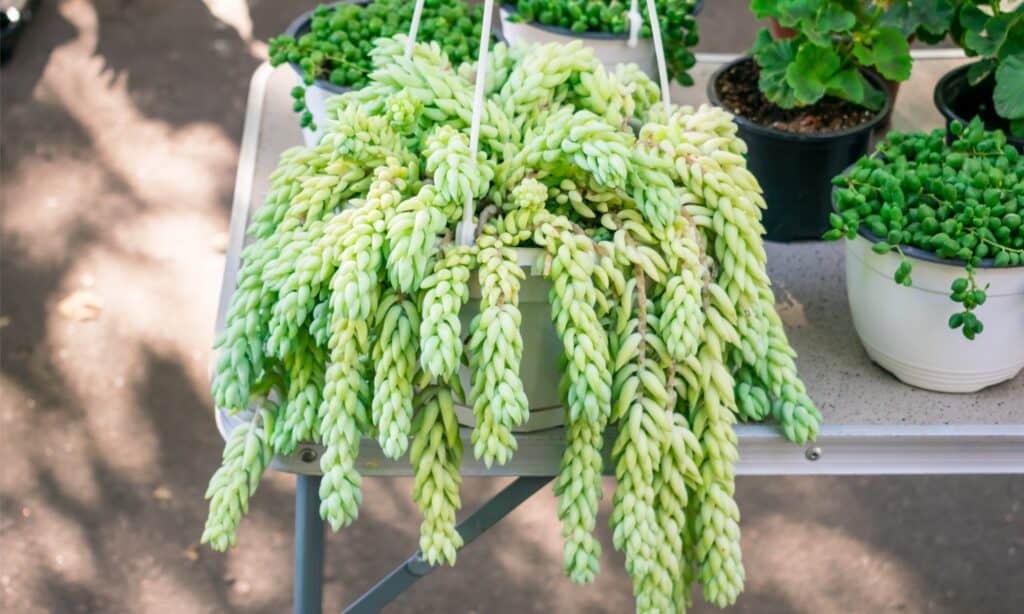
972,18
891,53
811,71
924,17
1009,92
774,57
847,84
832,17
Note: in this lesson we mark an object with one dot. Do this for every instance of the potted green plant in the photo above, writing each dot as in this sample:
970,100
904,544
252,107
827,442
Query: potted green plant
605,27
944,221
329,47
992,87
345,321
807,105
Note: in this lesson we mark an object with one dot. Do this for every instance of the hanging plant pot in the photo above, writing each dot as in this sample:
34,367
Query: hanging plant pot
957,99
795,158
540,369
318,93
611,49
904,328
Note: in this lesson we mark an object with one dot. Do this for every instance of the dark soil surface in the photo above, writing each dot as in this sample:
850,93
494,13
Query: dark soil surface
738,91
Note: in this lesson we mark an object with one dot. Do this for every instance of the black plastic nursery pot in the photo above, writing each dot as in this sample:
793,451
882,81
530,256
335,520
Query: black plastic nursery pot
957,99
795,170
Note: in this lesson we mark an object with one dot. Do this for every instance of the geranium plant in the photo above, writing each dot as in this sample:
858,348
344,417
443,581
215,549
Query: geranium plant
835,40
994,34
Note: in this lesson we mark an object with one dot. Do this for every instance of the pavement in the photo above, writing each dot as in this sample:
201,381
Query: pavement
121,122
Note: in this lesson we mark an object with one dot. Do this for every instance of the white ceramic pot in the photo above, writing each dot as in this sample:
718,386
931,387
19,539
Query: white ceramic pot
540,369
610,49
904,329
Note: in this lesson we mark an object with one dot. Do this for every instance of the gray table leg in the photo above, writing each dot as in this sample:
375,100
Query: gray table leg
414,568
309,546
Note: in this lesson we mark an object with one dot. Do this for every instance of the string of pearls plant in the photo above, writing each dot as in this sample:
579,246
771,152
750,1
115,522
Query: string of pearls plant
345,322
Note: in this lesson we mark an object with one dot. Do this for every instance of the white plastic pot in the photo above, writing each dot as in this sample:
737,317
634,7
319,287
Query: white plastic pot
904,329
316,99
610,49
540,369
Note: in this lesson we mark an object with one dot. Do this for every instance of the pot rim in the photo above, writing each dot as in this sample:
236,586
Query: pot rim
606,36
297,25
911,251
942,99
823,137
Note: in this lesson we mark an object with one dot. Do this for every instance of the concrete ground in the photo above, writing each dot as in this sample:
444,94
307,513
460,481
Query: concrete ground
121,126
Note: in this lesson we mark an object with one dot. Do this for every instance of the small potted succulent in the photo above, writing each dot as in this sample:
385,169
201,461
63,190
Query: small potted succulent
993,86
944,221
329,47
605,27
807,105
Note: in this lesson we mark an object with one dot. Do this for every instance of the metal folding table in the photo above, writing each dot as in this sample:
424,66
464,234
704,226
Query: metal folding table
873,423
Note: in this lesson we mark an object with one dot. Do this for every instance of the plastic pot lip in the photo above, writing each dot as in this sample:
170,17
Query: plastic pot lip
945,91
941,95
918,253
799,137
607,36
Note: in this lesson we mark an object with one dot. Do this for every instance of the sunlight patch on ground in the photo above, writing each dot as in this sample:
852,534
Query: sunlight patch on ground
784,549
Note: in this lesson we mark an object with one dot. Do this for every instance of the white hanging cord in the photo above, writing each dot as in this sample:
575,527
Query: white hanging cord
465,233
635,21
414,28
659,52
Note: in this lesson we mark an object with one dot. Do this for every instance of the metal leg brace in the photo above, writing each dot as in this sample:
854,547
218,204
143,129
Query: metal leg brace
309,546
414,568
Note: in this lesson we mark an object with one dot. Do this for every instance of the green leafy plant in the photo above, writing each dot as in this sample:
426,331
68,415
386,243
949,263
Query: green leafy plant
835,40
347,307
995,35
678,25
961,201
337,47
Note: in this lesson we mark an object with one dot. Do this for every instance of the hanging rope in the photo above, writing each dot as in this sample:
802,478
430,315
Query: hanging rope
414,28
465,232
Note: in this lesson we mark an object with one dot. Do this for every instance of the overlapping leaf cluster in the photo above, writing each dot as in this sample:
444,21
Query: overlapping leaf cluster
350,294
834,40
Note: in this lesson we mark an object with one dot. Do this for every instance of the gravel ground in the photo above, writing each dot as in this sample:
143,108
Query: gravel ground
121,125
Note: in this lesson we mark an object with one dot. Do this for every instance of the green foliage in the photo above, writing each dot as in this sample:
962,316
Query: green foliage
348,314
835,40
337,46
960,202
678,26
995,35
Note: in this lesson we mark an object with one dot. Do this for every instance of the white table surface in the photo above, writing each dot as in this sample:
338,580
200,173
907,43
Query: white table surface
874,424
